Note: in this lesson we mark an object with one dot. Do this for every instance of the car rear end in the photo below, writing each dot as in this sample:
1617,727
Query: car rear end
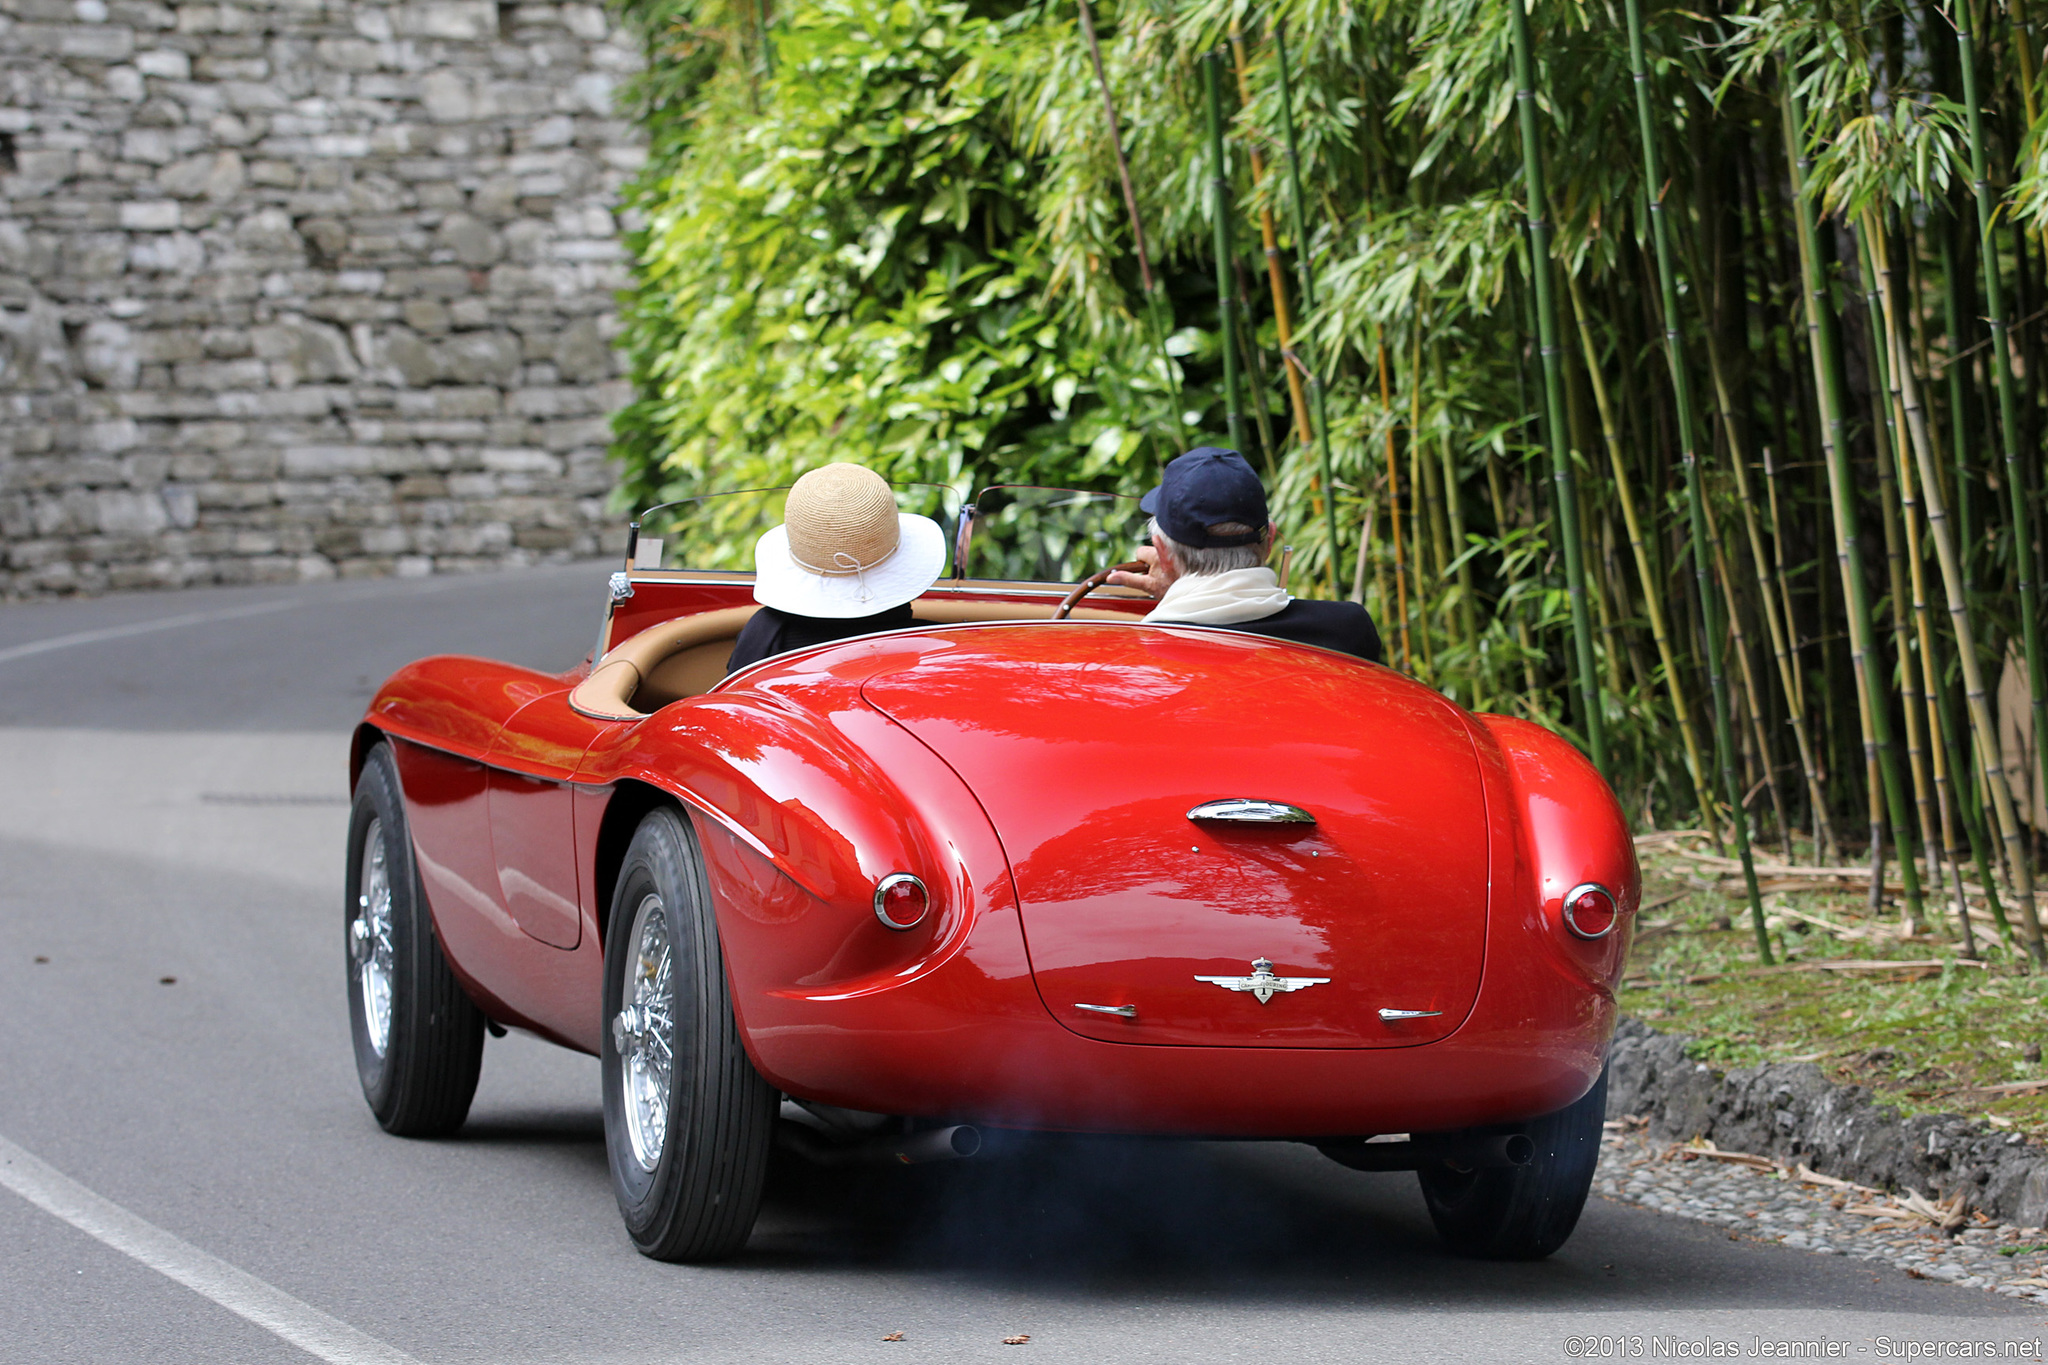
1248,889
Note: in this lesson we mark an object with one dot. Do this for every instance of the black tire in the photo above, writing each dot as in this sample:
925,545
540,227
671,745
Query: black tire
1522,1213
421,1081
689,1182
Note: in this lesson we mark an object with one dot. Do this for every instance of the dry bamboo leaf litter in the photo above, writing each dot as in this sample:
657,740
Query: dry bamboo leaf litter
1755,1197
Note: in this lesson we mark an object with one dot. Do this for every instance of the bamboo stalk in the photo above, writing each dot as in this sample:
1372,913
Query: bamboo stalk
1420,522
1981,725
1158,308
1220,201
1454,512
1876,277
1909,502
1955,308
1553,392
1304,264
2010,433
1752,695
1681,391
1394,514
1500,521
1653,594
1252,373
1878,758
1276,280
1779,631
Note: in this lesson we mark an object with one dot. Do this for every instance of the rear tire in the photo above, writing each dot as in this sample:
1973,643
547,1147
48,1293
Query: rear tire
419,1039
688,1122
1523,1213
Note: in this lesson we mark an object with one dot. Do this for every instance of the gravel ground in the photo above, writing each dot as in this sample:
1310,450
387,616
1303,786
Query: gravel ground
1774,1203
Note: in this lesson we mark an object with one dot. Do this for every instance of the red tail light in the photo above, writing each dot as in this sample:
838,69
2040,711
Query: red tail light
1590,910
901,901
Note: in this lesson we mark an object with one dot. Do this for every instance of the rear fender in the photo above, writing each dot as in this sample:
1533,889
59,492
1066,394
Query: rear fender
800,823
1569,831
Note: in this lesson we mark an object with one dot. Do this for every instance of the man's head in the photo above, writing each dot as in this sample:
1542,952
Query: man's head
1209,514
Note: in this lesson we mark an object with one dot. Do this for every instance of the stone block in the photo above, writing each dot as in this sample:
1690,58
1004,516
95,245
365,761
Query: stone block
120,511
177,253
521,462
470,241
349,54
481,358
50,166
312,461
165,63
218,176
107,43
428,317
459,19
447,97
107,355
155,215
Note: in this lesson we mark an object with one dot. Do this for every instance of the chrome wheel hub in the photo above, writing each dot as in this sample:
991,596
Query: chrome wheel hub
369,940
643,1031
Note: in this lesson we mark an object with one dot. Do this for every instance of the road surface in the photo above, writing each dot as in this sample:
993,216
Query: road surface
188,1171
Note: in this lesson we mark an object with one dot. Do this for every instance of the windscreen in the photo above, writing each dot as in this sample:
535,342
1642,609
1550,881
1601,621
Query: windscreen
718,530
1049,535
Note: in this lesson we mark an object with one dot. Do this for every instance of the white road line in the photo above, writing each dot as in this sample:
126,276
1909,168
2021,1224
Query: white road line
270,1308
93,637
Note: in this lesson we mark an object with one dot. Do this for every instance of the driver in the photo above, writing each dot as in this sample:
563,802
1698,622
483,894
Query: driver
844,562
1207,561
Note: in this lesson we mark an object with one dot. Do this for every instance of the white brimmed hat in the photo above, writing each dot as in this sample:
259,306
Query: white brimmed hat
843,550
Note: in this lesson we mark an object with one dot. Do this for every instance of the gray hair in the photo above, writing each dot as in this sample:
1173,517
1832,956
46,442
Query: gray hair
1197,560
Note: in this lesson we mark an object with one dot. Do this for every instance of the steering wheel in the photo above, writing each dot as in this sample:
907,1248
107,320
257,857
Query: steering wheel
1090,584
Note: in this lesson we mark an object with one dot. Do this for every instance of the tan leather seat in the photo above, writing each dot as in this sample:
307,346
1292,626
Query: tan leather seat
687,656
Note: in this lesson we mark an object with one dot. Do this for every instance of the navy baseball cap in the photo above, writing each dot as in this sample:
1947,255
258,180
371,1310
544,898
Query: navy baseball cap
1208,486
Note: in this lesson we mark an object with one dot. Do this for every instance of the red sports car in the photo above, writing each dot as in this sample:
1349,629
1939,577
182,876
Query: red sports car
1026,866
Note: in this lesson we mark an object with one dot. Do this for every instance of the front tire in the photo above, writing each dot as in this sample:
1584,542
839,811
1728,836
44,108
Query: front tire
688,1122
1522,1213
419,1039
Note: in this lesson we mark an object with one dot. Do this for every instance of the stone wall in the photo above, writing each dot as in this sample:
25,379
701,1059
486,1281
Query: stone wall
1791,1111
297,288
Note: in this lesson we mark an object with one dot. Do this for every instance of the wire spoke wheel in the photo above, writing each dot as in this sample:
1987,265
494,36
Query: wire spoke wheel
370,941
644,1031
419,1039
687,1119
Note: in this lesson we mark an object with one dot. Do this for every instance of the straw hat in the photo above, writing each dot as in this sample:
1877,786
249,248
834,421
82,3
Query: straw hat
843,550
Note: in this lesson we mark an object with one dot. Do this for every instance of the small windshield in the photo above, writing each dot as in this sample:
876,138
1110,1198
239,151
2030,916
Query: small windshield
1048,535
718,530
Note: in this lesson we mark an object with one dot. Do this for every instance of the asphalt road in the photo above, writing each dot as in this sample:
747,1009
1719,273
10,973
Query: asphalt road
171,822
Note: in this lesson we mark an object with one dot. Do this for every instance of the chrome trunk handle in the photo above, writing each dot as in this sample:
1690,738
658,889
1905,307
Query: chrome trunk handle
1245,810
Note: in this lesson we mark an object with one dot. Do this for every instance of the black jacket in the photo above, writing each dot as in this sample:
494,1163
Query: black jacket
773,632
1343,626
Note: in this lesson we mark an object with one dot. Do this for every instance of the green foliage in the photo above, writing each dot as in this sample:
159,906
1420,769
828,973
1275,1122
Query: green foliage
895,233
838,264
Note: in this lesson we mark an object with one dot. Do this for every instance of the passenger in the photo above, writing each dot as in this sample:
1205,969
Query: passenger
1207,561
844,562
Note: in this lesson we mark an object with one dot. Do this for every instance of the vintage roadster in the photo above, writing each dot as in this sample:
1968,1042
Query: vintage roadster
1028,866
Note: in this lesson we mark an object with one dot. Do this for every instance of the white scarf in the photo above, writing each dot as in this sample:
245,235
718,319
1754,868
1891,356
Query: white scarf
1220,599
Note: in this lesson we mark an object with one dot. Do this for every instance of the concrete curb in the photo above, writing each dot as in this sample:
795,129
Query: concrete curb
1791,1110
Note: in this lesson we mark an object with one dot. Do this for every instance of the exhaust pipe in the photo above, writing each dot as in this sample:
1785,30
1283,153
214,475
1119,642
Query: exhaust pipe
953,1143
1459,1151
1477,1151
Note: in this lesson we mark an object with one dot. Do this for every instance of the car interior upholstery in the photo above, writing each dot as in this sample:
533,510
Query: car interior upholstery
687,656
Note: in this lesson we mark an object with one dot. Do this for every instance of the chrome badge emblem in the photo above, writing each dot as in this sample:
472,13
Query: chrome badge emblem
1262,984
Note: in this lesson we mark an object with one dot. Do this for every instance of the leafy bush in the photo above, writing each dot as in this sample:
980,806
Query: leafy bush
838,263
